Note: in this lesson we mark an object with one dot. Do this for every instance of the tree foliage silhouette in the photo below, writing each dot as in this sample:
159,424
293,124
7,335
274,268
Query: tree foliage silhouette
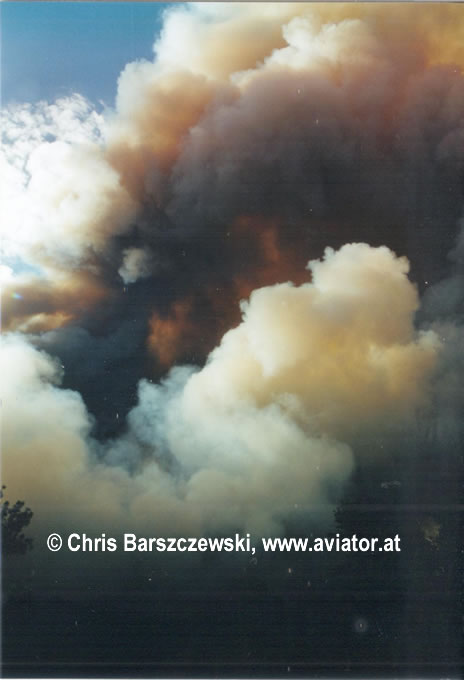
15,518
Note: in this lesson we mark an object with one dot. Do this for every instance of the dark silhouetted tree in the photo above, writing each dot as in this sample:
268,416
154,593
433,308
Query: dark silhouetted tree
15,518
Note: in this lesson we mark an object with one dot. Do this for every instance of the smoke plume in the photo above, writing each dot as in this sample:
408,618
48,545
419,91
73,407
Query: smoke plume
167,354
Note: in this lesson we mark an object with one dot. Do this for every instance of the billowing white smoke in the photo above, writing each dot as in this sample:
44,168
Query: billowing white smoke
261,430
61,199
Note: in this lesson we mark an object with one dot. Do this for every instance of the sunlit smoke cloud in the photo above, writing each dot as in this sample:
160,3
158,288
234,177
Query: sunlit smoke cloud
262,428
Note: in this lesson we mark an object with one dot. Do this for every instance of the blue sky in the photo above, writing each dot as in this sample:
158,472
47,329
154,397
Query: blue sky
50,49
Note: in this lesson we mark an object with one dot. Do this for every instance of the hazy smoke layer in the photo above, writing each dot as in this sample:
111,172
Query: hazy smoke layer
259,134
